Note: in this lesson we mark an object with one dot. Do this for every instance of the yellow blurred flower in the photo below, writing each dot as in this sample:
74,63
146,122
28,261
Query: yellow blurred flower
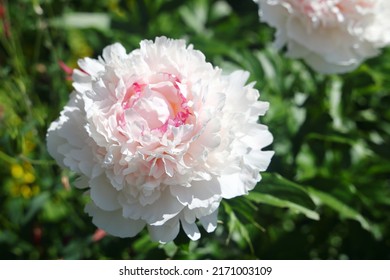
25,191
28,177
17,171
23,178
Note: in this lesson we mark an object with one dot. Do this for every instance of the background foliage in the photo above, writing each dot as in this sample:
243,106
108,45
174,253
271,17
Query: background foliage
326,194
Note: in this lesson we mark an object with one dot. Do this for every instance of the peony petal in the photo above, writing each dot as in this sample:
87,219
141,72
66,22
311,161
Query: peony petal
162,210
321,65
153,110
104,195
209,222
113,222
201,194
165,233
114,52
54,141
191,230
189,216
82,81
259,159
66,139
257,137
70,125
91,66
82,182
232,185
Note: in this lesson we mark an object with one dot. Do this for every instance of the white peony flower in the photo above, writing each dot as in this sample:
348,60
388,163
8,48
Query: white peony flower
332,36
160,136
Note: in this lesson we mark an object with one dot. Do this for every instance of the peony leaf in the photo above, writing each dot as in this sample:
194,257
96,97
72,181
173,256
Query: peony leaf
219,10
54,211
36,204
237,228
195,16
277,186
268,67
143,245
83,20
244,209
345,211
170,249
277,202
280,192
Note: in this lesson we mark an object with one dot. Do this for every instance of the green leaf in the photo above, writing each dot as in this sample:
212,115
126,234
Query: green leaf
170,249
268,67
195,16
244,209
282,203
279,192
277,186
237,228
36,204
83,20
345,211
55,210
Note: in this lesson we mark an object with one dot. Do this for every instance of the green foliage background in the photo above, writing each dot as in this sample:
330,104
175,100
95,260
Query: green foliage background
326,194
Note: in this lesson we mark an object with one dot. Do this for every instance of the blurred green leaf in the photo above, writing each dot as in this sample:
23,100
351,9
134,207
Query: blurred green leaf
195,15
277,202
237,230
83,20
344,210
36,204
283,189
53,211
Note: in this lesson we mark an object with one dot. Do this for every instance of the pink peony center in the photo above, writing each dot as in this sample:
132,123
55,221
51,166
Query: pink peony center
160,102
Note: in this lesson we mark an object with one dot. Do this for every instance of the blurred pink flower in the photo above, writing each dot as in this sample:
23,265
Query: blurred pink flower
67,70
332,36
4,20
98,235
2,10
159,137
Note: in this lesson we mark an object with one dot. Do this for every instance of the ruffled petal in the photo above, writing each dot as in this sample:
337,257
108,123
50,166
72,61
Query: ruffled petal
162,210
166,232
113,222
191,230
201,194
104,195
232,185
209,222
114,53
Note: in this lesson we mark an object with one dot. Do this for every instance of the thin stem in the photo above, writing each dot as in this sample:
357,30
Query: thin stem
7,158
